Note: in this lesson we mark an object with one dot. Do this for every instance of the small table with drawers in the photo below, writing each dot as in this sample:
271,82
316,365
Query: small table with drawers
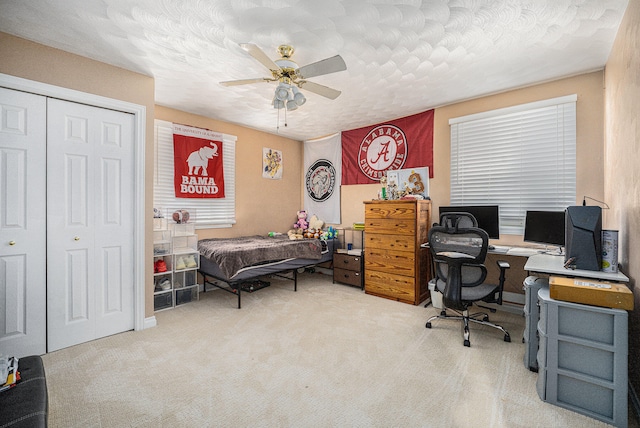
347,269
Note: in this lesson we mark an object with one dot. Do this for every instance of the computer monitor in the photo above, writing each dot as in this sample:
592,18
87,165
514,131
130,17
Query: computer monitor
544,227
486,215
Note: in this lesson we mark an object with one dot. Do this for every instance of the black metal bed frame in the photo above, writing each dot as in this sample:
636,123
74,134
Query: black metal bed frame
235,287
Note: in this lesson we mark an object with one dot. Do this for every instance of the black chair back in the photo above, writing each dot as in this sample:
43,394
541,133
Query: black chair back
458,220
459,254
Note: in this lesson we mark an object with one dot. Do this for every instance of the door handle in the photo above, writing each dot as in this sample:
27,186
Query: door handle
12,243
77,238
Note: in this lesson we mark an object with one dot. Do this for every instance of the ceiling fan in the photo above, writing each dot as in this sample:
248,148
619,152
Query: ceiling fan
290,77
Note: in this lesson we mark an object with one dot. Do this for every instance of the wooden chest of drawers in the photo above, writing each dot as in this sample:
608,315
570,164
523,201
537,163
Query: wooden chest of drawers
347,269
395,265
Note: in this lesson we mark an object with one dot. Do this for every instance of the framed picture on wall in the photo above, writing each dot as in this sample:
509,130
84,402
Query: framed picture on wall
271,163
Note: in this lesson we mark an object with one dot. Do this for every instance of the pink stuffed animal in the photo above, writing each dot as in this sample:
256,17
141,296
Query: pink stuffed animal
302,221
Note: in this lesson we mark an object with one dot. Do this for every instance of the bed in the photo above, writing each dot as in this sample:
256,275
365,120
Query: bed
236,264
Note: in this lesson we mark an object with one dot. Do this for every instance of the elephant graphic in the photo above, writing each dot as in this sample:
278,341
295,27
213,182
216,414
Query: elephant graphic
200,159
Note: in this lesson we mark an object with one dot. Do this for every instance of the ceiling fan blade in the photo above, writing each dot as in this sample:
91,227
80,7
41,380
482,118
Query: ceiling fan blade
325,91
260,56
246,81
325,66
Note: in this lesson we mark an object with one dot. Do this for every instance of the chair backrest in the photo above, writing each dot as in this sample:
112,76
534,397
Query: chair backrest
458,220
472,242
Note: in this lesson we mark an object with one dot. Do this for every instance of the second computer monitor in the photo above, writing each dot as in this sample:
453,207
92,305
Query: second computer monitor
486,215
545,227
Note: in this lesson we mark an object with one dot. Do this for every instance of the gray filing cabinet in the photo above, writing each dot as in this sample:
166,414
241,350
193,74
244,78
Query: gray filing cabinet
582,358
532,284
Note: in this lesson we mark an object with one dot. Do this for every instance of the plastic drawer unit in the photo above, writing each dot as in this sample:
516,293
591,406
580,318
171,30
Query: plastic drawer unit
582,358
532,284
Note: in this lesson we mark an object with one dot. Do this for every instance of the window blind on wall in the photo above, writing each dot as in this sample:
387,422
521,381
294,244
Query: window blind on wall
209,212
520,158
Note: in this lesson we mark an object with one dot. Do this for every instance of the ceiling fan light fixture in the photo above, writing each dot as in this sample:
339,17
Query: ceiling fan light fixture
298,96
291,105
278,104
282,92
289,77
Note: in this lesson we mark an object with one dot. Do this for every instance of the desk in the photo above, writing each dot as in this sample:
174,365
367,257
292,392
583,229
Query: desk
554,265
515,276
516,257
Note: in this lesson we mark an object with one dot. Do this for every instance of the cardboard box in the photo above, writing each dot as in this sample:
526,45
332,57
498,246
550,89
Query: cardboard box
591,292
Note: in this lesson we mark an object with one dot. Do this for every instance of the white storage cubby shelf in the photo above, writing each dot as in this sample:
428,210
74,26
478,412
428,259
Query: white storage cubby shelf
177,246
186,261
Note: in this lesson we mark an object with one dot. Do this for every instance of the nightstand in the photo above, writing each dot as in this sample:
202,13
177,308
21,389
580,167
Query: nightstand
347,269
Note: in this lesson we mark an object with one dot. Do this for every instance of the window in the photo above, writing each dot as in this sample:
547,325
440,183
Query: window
520,158
208,213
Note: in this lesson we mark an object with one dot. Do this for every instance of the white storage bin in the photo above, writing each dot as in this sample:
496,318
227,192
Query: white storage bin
436,296
182,229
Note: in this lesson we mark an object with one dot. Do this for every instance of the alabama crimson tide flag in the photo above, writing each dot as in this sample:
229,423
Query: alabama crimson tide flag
197,162
367,153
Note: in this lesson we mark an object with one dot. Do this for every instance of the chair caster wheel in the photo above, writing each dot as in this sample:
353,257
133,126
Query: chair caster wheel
485,318
467,343
428,325
507,338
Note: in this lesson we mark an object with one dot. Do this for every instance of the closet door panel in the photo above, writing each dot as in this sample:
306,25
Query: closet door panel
70,234
90,168
114,165
22,223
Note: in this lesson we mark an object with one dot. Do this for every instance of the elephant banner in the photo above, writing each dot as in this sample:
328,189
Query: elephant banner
198,171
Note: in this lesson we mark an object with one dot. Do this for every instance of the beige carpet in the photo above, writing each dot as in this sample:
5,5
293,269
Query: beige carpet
325,356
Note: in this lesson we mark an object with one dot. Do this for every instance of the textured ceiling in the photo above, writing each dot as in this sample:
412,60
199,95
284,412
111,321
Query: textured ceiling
403,56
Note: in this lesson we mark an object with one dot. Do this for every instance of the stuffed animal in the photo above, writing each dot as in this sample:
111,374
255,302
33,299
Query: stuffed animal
330,233
295,234
302,221
315,223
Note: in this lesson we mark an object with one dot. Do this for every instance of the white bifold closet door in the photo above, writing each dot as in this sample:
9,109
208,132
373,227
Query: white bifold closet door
23,198
90,241
66,223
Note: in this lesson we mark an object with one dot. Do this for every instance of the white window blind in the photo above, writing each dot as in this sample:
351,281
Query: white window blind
208,212
519,158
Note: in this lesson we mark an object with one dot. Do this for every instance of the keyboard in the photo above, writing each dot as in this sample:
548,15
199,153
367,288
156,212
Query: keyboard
525,252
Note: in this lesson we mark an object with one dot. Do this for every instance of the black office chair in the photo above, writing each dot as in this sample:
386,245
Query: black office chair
459,254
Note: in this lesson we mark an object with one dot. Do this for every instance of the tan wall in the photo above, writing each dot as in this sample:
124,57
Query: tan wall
262,205
36,62
589,142
622,173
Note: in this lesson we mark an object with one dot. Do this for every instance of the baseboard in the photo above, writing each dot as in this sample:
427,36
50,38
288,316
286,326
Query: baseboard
512,308
150,322
513,298
323,270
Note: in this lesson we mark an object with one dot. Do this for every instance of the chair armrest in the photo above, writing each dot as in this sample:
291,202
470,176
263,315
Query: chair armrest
503,265
497,296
